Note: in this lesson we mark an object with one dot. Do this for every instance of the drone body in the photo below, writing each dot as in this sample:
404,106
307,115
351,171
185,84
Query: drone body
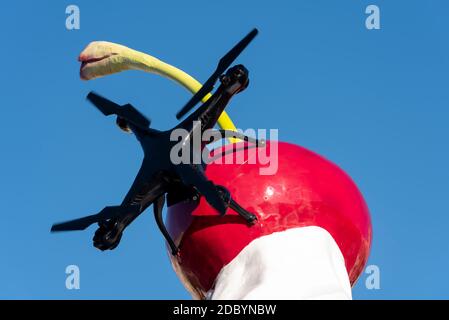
158,174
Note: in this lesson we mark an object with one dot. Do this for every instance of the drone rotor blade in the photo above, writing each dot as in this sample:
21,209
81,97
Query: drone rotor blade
223,64
127,111
74,225
229,57
83,223
107,107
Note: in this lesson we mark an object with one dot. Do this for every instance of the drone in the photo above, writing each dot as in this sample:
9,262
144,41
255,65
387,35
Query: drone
158,176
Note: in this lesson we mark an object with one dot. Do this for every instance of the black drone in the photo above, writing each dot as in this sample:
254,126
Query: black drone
158,175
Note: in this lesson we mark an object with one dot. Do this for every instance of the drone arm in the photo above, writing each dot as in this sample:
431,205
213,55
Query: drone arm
192,176
141,186
110,231
146,188
209,112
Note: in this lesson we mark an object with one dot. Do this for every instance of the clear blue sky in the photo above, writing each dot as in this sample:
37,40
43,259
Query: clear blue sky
374,102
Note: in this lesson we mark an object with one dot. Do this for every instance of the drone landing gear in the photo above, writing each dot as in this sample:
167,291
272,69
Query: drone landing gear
157,206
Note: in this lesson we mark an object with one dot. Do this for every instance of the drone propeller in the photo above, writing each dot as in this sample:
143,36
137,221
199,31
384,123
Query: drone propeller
127,111
223,64
105,214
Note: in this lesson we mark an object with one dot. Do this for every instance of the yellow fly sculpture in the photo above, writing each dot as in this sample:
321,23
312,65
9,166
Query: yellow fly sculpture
101,58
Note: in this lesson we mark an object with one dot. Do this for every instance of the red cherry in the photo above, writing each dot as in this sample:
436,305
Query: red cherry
306,190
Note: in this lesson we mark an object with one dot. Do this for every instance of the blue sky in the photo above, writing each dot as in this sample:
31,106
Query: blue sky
373,101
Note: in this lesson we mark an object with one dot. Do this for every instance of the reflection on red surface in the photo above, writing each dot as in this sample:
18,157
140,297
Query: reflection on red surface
307,190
